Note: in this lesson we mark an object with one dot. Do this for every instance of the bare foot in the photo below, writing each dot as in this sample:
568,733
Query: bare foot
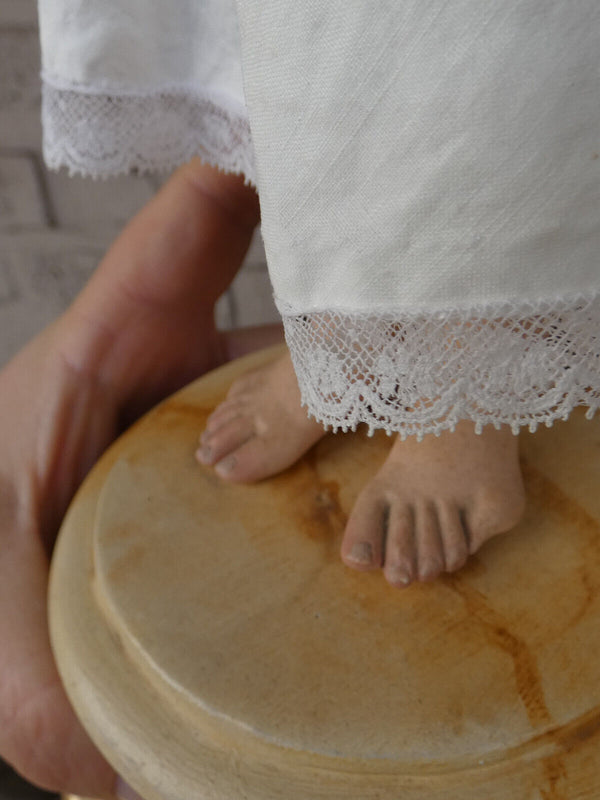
261,428
435,502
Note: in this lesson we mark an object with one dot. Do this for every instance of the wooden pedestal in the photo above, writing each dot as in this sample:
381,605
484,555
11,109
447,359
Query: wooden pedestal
215,647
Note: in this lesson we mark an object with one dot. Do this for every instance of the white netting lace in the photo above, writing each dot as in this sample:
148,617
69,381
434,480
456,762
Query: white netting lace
109,134
515,364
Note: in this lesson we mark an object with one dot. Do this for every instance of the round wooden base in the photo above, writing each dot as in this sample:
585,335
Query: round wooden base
215,647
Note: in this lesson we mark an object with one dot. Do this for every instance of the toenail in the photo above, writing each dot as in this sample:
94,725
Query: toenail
225,466
204,454
400,576
361,553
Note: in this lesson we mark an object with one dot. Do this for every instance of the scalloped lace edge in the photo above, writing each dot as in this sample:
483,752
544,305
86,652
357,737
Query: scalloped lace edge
415,373
101,133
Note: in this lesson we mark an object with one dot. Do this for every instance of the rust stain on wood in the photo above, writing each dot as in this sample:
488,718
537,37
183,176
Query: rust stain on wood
527,676
313,504
555,777
550,496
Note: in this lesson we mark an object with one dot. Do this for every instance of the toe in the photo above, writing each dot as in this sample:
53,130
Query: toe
400,552
362,545
430,554
219,443
477,527
251,461
454,537
244,385
223,414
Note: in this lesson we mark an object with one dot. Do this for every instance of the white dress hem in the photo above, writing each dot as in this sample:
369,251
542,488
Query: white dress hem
519,363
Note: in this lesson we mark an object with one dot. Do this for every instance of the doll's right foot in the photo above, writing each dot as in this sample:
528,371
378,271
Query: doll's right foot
261,428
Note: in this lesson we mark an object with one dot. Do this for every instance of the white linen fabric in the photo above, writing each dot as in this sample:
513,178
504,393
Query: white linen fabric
142,84
429,177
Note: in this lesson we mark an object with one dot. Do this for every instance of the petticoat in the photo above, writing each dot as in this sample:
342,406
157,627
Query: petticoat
428,171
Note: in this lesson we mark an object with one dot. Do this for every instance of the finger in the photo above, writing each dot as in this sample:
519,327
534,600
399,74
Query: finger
200,215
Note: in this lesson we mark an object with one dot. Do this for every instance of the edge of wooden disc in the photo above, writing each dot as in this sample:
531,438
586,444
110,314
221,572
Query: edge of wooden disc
145,740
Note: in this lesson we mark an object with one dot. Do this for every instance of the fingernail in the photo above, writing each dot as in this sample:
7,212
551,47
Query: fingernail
362,553
225,466
204,454
124,792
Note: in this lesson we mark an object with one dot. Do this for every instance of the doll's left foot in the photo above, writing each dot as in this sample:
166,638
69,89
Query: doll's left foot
435,502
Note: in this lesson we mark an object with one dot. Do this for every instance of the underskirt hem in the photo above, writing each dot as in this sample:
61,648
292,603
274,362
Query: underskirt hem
104,132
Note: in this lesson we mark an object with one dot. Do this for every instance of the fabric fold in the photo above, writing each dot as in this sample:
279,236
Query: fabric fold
430,195
429,177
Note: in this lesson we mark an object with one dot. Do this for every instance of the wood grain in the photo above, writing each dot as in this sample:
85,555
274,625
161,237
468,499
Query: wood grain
215,647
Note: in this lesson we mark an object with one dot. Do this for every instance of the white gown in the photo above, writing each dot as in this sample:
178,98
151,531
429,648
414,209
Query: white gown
428,171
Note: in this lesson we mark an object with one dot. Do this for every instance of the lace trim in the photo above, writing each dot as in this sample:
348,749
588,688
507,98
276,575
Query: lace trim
512,364
106,134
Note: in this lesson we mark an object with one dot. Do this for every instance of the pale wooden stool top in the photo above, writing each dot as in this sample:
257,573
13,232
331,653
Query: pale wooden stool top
215,647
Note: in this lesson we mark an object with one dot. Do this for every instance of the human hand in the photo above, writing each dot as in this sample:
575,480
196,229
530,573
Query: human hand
142,328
